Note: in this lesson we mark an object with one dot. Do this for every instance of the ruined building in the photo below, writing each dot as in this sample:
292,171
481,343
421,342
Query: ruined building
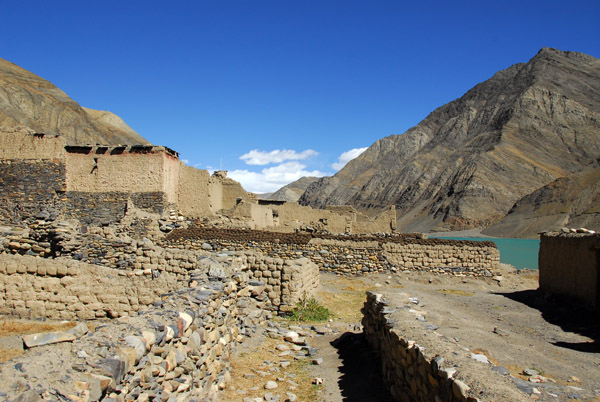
43,177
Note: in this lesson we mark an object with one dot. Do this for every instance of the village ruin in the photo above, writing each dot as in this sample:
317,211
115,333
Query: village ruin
192,264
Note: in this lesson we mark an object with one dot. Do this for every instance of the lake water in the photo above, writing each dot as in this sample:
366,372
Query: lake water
521,253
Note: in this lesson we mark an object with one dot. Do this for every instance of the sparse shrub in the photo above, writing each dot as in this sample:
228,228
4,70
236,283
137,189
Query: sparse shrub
308,309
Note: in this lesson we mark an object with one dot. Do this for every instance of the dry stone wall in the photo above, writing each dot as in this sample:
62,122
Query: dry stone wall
66,289
177,349
284,282
411,372
31,188
353,255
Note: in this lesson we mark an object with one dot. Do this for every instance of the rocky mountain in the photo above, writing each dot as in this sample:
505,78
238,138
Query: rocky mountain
294,190
572,201
468,162
30,101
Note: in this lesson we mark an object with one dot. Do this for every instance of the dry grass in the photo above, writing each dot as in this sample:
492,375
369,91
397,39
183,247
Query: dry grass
455,292
24,327
345,305
245,375
10,353
17,327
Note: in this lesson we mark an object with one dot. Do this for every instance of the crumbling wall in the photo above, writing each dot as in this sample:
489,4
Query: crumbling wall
178,347
285,282
291,216
384,222
65,289
569,266
353,255
411,372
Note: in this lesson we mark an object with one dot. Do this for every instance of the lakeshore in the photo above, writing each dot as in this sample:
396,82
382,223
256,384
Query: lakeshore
520,253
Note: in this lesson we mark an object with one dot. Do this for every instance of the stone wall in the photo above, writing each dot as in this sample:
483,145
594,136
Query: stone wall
31,189
283,281
411,372
569,266
176,349
353,255
66,289
102,208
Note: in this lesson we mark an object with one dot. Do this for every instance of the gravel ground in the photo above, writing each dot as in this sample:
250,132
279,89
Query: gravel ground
509,321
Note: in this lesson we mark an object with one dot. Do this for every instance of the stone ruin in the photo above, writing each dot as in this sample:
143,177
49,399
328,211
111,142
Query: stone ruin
83,238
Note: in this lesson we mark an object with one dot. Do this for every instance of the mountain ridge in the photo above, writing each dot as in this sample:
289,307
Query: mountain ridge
31,101
468,162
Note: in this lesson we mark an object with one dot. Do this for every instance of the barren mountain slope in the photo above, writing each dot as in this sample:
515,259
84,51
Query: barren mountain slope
572,201
294,190
469,161
30,101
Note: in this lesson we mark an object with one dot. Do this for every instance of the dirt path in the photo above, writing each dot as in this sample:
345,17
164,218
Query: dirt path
507,320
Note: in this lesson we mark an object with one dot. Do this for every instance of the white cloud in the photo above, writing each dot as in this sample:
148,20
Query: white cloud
347,157
272,178
256,157
186,161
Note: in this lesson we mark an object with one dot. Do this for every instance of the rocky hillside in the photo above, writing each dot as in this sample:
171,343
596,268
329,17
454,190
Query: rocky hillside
30,101
471,160
293,191
571,201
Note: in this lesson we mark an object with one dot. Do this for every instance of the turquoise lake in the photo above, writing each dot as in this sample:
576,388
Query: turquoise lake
521,253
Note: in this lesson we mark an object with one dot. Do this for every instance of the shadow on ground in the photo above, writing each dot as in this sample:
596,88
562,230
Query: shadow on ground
361,379
567,315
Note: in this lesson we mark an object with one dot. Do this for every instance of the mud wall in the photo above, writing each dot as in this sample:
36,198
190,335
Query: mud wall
291,216
115,169
24,144
66,289
283,282
411,372
194,197
569,266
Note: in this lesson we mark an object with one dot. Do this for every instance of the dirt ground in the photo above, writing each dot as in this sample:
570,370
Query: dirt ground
509,321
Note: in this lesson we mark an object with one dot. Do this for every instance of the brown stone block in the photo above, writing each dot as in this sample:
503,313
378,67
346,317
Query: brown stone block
86,314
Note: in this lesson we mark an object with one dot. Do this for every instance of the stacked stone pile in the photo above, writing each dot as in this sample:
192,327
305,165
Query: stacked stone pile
178,349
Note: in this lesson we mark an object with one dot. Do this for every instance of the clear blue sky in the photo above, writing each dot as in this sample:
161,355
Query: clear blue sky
216,80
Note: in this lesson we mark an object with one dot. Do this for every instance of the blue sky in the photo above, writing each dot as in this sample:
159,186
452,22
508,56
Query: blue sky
274,90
